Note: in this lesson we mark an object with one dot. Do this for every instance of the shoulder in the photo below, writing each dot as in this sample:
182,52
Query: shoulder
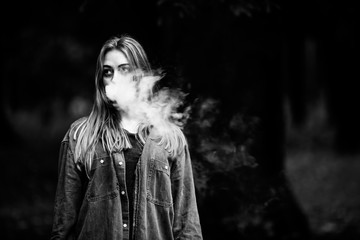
73,130
171,139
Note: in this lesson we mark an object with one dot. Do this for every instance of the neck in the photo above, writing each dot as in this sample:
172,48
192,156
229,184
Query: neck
129,122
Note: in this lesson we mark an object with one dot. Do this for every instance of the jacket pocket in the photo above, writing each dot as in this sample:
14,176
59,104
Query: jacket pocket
159,183
102,184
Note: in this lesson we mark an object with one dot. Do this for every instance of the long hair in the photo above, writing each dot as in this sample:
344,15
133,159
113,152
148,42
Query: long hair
103,125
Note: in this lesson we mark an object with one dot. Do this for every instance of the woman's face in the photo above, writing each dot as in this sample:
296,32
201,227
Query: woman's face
118,78
116,67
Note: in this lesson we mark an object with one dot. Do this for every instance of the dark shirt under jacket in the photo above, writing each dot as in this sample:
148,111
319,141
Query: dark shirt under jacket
132,156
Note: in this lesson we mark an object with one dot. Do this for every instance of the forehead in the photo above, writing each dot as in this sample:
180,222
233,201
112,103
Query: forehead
114,58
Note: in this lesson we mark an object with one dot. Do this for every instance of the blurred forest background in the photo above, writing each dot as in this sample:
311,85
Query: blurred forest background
274,127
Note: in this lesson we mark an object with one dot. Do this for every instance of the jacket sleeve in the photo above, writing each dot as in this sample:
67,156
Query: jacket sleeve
68,196
186,218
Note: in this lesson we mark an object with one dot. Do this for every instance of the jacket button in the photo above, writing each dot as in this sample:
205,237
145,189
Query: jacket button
123,192
125,225
120,163
166,167
101,161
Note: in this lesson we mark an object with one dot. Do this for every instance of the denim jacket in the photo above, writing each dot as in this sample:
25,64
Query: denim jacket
96,206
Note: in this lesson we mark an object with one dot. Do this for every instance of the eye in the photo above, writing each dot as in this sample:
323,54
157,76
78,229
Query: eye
124,69
108,73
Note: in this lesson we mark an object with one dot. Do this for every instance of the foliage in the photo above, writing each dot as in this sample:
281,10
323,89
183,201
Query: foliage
225,172
189,9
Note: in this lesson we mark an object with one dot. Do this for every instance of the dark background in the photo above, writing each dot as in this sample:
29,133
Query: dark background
274,124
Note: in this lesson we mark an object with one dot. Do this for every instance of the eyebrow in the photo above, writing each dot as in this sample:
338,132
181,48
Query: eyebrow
121,65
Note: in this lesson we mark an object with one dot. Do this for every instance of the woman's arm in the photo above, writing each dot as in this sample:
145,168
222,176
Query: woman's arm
186,220
68,194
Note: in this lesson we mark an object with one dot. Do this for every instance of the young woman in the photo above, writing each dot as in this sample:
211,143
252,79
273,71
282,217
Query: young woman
121,175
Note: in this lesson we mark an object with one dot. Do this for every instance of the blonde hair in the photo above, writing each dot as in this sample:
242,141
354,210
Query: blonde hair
103,123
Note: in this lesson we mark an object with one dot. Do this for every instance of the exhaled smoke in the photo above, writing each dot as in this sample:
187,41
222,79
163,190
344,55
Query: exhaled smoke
134,93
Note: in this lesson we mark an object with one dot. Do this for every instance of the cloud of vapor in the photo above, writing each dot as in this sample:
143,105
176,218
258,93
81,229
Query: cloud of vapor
134,93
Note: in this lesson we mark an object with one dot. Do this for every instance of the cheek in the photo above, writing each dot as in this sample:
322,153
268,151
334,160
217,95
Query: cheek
108,88
110,92
106,81
121,79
